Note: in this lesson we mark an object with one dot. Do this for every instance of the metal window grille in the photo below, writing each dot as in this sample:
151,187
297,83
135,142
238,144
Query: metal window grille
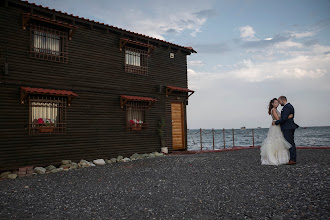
47,109
136,61
137,116
48,44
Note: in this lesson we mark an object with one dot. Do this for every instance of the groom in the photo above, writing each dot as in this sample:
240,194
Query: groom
288,127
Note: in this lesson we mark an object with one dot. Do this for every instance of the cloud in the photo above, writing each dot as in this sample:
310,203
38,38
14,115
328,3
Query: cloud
247,33
265,43
309,65
196,63
159,19
303,34
280,41
208,13
212,48
287,44
294,68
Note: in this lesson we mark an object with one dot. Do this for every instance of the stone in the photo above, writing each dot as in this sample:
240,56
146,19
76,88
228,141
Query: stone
12,176
66,166
5,174
84,163
120,158
92,164
50,168
126,159
57,170
74,165
99,162
136,156
158,154
145,155
113,160
64,162
40,170
152,155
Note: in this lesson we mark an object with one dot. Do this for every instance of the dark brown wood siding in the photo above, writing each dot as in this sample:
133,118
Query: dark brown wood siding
95,71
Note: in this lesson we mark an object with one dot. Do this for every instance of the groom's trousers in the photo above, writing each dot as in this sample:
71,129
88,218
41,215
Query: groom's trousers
289,136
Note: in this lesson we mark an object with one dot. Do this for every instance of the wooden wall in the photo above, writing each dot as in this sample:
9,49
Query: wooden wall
95,71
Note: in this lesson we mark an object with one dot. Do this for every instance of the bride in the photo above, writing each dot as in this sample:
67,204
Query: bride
275,149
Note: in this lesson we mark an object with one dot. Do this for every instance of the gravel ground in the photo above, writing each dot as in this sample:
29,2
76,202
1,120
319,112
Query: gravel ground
222,185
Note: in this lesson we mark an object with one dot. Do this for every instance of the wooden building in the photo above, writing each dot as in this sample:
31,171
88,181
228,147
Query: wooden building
73,88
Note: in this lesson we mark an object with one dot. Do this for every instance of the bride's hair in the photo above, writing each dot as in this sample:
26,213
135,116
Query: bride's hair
271,105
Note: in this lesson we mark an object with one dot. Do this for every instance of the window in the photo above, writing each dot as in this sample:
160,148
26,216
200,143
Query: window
133,58
137,116
48,44
136,61
47,114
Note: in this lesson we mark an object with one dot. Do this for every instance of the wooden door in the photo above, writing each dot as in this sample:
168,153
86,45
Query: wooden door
178,134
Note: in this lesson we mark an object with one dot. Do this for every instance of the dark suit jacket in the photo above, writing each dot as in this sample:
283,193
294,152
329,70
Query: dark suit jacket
286,123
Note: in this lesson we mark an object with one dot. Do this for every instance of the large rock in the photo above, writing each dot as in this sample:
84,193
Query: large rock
136,156
112,160
64,162
99,162
152,155
84,163
5,174
12,176
57,170
158,154
66,166
126,159
40,170
50,168
74,165
120,158
145,155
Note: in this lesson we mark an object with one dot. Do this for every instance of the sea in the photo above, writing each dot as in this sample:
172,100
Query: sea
304,136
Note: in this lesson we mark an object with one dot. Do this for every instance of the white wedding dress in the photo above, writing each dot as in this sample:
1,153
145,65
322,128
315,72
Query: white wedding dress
275,149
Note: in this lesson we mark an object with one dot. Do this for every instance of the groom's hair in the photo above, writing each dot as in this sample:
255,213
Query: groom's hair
282,97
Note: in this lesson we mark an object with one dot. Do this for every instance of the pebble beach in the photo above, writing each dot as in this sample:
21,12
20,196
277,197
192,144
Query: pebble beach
219,185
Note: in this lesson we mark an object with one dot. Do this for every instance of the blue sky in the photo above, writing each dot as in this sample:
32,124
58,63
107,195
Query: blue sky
249,51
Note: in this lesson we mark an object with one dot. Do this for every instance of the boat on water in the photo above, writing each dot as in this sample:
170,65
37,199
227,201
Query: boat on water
243,128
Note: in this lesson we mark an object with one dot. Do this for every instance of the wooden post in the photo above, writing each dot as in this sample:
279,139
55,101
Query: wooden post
252,137
200,130
224,139
233,138
213,137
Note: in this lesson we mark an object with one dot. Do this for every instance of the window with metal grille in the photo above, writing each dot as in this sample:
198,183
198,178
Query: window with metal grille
136,61
48,44
47,114
137,116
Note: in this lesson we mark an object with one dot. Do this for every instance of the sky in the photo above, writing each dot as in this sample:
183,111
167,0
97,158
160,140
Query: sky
248,52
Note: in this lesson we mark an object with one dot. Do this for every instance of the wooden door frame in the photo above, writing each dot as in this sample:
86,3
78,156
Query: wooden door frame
183,125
